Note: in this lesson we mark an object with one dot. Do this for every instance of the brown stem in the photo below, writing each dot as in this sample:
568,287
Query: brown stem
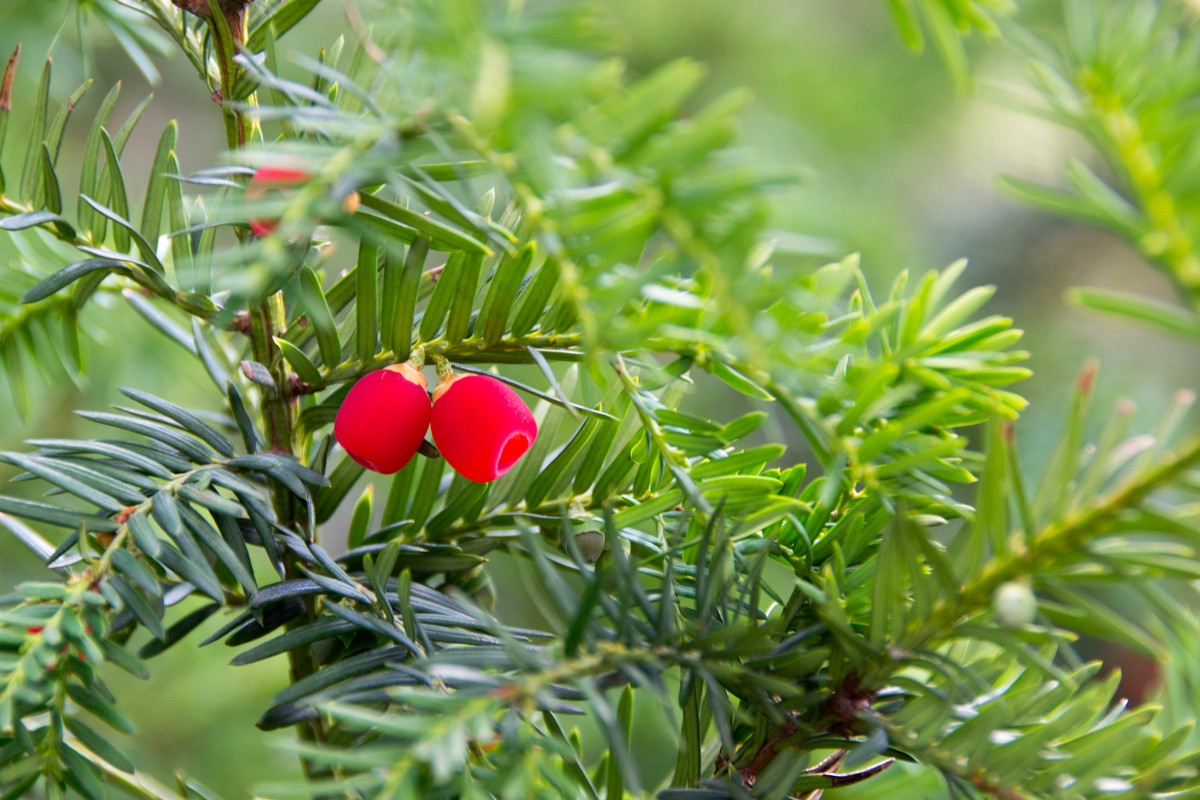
767,753
265,321
234,12
228,31
279,413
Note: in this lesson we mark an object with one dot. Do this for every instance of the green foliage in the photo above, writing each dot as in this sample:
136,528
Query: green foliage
805,615
1120,79
947,23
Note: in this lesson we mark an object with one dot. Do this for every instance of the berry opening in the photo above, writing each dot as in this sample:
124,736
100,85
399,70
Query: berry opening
513,449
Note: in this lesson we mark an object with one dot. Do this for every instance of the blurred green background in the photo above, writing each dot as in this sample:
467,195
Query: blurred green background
894,163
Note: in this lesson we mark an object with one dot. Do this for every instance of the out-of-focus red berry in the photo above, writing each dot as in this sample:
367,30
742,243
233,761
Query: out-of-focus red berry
480,426
384,418
268,180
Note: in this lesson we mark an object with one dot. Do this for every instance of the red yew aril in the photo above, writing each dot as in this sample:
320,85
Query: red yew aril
272,179
34,630
480,426
384,418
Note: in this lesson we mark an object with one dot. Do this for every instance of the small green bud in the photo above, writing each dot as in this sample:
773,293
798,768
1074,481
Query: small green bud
1015,604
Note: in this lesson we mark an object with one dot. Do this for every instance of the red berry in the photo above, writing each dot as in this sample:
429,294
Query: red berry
480,426
383,420
268,180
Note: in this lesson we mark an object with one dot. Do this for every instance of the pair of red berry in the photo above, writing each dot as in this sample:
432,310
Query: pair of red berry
479,425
